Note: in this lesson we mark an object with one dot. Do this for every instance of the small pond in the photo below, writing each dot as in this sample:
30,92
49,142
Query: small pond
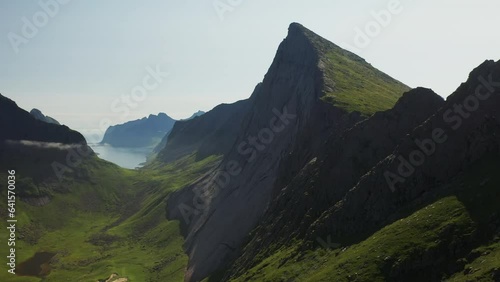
38,265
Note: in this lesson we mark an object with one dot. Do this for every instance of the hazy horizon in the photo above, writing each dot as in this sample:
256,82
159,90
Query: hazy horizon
89,54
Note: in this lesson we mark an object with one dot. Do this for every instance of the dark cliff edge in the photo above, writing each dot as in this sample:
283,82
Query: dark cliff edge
462,141
163,143
373,176
25,139
210,134
38,151
17,124
263,141
326,178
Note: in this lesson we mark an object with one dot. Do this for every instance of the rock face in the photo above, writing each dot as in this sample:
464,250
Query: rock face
463,131
32,146
211,134
16,124
326,179
265,141
145,132
36,113
381,170
164,140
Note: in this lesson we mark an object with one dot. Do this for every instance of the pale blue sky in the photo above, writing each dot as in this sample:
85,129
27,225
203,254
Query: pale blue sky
91,52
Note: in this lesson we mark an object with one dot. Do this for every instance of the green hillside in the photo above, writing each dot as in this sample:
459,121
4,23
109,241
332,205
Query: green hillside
449,239
112,221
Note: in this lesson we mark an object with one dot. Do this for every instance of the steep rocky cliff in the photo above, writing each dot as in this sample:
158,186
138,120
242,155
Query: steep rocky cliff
463,131
32,146
211,134
328,177
409,194
273,134
163,143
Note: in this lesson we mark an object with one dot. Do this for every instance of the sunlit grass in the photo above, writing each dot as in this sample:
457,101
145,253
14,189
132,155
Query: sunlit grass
124,207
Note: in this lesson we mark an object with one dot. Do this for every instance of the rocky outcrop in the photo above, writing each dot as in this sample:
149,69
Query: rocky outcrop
328,177
33,146
463,131
36,113
281,127
145,132
214,133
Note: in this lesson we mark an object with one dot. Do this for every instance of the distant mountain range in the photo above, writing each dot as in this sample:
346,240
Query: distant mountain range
145,132
164,140
313,89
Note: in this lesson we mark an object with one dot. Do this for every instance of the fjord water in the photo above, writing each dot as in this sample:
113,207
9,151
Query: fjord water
124,157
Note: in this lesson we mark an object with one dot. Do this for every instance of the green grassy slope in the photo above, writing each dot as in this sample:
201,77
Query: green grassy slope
357,86
351,83
453,238
113,221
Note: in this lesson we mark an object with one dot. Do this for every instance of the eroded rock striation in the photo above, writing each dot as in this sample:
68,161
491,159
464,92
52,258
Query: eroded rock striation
264,141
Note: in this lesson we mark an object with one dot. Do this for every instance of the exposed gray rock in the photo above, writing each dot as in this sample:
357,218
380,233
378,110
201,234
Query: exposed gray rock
164,140
325,180
470,136
234,205
34,146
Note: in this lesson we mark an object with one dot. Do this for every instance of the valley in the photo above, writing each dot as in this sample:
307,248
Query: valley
111,221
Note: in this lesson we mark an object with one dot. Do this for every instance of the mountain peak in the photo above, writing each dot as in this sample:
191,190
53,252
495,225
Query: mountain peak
419,98
306,70
36,113
145,132
348,81
197,114
299,33
19,125
296,28
320,45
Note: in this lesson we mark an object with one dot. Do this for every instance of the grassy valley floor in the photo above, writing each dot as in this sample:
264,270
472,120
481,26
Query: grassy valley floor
110,221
